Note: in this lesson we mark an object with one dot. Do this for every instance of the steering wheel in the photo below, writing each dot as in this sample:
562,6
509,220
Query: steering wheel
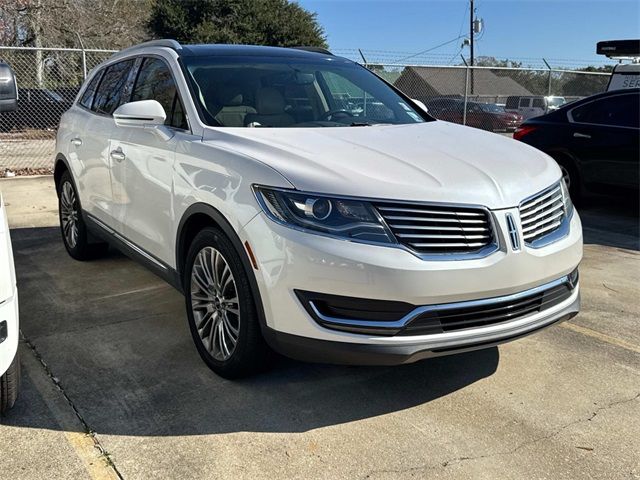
331,113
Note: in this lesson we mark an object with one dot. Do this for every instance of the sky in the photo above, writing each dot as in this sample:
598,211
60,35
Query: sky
563,30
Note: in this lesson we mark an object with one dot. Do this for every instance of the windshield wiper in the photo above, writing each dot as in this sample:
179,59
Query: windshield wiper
360,124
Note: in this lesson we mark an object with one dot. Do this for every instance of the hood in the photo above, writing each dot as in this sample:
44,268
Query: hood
433,161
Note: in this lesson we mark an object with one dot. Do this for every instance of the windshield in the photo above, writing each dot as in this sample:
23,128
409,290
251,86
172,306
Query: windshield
556,101
280,92
492,108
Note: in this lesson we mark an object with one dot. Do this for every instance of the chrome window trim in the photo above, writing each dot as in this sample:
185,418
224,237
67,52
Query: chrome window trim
393,327
481,253
575,122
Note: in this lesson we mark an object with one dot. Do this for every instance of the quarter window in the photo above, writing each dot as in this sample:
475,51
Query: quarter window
111,92
87,97
618,111
155,82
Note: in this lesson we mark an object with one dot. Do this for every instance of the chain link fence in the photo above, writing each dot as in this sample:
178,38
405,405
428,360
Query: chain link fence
48,80
493,99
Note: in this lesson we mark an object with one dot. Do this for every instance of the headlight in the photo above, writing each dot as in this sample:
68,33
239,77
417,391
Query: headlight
344,218
566,199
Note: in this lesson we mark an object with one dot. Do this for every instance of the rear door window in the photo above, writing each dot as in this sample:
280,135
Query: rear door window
524,102
112,92
155,82
617,111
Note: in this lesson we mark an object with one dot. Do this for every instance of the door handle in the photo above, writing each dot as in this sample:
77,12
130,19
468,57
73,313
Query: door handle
581,135
118,155
76,141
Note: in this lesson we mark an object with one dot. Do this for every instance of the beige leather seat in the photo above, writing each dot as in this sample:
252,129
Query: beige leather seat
232,112
270,107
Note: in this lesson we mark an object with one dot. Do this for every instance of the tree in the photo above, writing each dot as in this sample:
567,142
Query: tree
576,84
44,23
255,22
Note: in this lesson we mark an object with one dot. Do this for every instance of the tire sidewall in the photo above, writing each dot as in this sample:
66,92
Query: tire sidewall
10,385
78,251
575,187
236,365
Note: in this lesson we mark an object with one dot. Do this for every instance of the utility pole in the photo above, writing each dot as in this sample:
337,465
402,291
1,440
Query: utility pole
471,14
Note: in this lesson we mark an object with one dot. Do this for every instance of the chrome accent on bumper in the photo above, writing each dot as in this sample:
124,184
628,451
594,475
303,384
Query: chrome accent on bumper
393,327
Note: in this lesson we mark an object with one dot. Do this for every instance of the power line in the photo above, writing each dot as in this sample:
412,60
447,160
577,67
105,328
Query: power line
429,49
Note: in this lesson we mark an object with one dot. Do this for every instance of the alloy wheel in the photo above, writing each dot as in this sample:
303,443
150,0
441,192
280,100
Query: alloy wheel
69,214
214,302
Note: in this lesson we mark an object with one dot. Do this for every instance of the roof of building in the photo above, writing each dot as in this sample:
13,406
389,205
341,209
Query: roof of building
436,81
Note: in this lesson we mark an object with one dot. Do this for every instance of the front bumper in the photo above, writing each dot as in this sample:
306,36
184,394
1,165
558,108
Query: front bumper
289,260
9,327
309,349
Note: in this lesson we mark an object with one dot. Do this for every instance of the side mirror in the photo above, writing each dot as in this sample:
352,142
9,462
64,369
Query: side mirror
8,89
421,105
142,114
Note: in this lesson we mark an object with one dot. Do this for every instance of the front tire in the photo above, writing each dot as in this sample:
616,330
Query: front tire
9,386
221,310
74,231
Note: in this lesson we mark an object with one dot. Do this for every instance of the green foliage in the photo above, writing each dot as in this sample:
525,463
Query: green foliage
562,83
254,22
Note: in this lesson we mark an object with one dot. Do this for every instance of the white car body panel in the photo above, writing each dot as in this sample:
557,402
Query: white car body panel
146,197
8,294
434,161
291,259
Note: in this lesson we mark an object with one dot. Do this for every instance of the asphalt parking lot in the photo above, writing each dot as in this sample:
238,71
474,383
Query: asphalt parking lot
107,349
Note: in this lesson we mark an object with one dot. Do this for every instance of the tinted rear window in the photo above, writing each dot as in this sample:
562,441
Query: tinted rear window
619,110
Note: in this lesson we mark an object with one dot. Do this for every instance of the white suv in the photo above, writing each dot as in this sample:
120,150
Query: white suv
9,319
301,203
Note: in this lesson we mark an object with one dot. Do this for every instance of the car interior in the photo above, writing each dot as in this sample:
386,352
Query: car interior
280,95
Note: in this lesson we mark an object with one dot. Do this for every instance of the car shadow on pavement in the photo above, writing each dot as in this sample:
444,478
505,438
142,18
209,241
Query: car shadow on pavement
116,337
611,221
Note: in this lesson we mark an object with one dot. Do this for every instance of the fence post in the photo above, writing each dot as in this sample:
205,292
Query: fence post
549,80
84,57
466,91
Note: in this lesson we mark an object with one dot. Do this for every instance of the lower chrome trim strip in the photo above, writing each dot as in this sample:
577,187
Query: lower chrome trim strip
392,327
129,244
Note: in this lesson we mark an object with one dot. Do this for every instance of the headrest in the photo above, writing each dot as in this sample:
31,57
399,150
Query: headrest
229,96
269,101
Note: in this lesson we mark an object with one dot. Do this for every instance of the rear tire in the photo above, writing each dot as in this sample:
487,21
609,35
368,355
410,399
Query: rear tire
9,386
74,232
221,308
572,178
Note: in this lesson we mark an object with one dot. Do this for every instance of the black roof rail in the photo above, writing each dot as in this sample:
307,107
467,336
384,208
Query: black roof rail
324,51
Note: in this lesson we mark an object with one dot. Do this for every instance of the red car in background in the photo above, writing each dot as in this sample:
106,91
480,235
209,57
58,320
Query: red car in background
487,116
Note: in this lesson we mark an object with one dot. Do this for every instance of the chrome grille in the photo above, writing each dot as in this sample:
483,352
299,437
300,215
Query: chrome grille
542,214
432,229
